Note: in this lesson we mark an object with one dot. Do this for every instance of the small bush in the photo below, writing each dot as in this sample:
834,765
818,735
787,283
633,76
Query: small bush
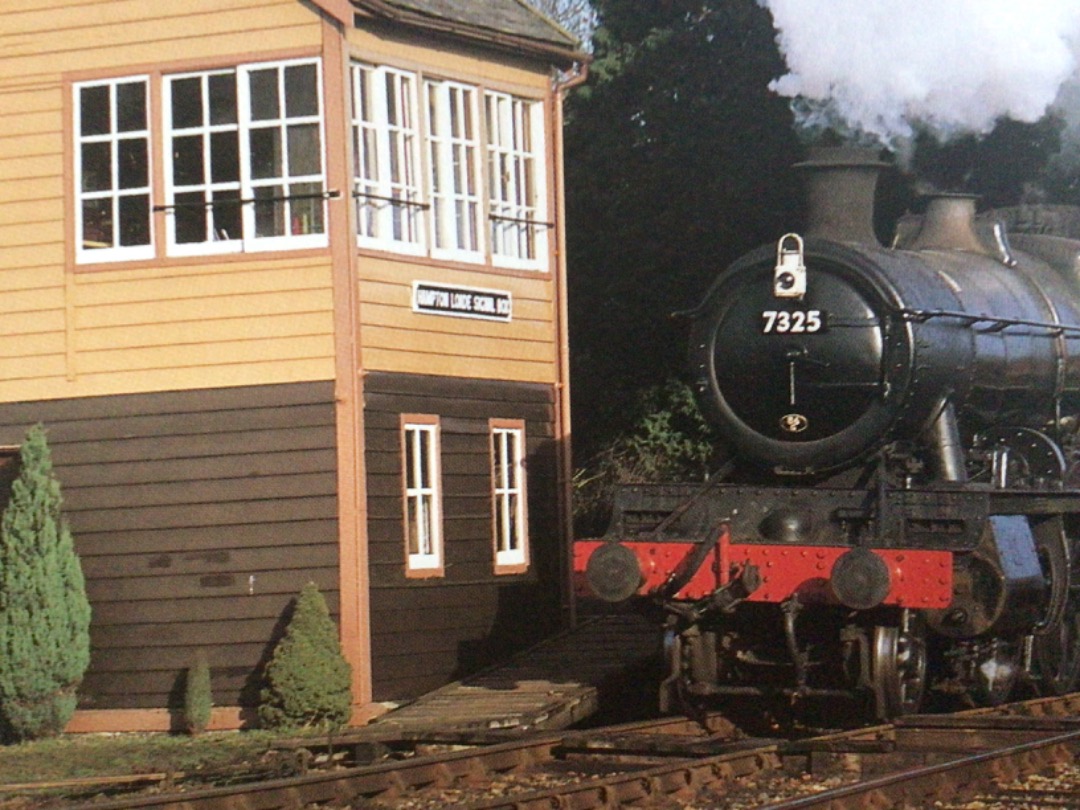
44,612
198,700
308,680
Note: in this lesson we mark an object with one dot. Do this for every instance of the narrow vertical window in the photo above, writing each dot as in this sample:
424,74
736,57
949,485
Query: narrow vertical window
509,496
453,152
386,154
518,232
423,502
244,159
204,184
112,171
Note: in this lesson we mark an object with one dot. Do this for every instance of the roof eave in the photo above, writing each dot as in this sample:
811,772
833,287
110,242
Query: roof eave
565,56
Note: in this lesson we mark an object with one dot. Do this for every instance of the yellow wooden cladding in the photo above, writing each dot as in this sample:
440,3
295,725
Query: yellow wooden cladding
192,324
70,331
396,338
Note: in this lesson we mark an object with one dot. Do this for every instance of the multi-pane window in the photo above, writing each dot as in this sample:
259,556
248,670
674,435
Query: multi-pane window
423,507
244,163
509,495
463,181
386,145
454,166
112,170
514,197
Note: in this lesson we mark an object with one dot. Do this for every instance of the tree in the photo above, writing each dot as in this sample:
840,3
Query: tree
678,160
576,16
308,681
198,697
44,612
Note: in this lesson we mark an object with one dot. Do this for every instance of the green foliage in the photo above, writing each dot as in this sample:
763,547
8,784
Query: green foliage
44,612
308,680
678,160
578,17
669,440
1000,167
198,699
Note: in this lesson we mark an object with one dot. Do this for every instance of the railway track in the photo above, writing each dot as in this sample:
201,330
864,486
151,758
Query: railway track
679,763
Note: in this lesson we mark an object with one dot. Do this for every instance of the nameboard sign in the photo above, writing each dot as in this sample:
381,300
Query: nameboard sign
461,302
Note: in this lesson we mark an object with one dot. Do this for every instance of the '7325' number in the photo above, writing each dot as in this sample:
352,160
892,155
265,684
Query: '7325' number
798,322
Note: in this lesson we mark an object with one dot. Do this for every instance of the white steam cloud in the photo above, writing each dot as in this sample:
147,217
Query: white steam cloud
954,66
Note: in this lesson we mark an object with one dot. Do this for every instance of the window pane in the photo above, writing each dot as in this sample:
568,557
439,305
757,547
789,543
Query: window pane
97,223
264,94
131,107
188,160
190,214
225,157
304,157
425,528
187,108
133,159
301,90
411,440
269,211
94,115
305,209
227,214
135,220
265,153
223,99
412,521
424,465
96,166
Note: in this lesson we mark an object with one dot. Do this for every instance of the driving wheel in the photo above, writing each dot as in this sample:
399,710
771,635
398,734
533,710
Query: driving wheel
899,670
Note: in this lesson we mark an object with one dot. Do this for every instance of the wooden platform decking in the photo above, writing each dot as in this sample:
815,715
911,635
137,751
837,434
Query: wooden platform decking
550,686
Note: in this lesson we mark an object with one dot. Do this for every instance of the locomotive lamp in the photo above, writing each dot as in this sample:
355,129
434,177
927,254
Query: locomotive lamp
789,277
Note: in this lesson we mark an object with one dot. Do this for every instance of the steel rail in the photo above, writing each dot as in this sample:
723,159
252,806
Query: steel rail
922,786
678,777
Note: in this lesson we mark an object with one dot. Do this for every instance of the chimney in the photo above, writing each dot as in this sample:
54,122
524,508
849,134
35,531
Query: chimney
949,224
840,190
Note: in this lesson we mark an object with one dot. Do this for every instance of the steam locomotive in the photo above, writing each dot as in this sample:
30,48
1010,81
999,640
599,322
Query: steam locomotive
900,514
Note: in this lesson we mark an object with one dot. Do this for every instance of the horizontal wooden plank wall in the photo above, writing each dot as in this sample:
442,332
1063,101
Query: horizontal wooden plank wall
178,323
397,339
198,516
426,632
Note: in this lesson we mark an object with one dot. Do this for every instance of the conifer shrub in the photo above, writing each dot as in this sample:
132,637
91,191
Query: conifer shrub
44,612
198,698
308,680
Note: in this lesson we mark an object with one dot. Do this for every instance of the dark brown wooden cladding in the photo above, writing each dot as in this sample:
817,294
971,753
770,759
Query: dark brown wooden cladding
426,632
198,516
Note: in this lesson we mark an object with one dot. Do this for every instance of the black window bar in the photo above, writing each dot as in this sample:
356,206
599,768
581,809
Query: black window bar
332,194
532,223
392,200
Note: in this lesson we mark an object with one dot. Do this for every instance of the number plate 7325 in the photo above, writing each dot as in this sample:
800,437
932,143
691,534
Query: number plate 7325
793,322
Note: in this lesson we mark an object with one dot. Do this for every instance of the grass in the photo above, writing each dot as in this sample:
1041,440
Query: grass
96,755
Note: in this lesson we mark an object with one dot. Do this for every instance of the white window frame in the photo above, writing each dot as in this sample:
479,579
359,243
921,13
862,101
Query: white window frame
387,185
516,191
454,170
510,527
114,194
422,485
250,187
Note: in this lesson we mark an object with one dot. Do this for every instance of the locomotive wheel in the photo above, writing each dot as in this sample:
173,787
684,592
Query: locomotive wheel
1057,642
899,670
1057,652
